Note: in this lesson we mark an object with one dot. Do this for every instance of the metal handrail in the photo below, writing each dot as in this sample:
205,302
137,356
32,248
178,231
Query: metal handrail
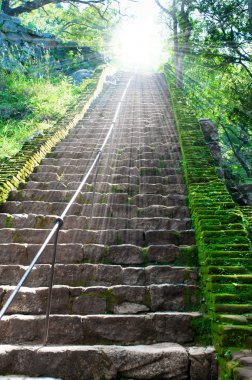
58,224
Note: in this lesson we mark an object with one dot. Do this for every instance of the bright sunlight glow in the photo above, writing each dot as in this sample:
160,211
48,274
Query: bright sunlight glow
137,42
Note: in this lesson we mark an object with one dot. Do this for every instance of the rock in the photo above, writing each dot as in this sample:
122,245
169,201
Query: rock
243,373
125,253
89,305
211,135
169,361
203,363
9,26
80,75
246,192
130,308
163,361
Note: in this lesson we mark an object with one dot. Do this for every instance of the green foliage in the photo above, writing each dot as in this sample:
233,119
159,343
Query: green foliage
216,76
72,24
30,106
226,98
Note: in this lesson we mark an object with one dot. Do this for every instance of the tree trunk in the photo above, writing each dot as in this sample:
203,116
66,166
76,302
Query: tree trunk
30,6
175,42
250,15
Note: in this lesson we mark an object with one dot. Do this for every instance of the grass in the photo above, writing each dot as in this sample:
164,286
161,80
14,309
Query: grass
30,105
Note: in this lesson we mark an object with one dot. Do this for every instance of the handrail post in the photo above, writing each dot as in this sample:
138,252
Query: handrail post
59,223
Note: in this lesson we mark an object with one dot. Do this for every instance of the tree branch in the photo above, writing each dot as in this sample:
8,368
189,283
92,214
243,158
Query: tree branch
30,6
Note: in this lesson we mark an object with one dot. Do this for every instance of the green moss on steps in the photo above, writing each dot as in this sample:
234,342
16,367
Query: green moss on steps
224,248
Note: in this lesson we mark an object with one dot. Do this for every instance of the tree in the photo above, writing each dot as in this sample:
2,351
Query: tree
226,31
10,8
179,12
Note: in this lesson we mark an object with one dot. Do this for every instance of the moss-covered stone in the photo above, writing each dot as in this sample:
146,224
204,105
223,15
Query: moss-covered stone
222,235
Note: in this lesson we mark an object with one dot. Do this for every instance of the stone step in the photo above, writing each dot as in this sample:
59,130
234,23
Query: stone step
118,196
142,362
175,327
121,142
99,275
104,300
96,223
66,183
115,170
120,154
115,158
113,184
125,254
127,146
97,210
85,129
106,237
73,152
56,208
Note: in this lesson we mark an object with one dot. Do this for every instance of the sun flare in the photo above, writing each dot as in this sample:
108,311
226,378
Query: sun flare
137,43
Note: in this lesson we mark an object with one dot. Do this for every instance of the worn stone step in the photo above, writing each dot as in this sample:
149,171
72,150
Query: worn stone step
120,194
106,237
66,195
130,185
69,169
56,208
73,152
103,300
126,146
175,327
132,362
115,170
120,153
163,211
96,223
99,275
115,158
23,377
125,254
146,200
125,134
112,210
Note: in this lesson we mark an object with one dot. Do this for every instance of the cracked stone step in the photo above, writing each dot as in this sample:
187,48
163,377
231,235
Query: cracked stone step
65,195
115,170
140,362
125,254
163,211
73,152
152,162
72,183
69,169
146,200
56,208
99,275
96,223
123,154
103,300
175,327
106,237
127,147
119,195
97,210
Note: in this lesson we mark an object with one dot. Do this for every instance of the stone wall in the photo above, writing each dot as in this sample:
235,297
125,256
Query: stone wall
225,253
21,47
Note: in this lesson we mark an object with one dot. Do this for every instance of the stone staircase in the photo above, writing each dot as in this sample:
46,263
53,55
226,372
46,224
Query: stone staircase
126,299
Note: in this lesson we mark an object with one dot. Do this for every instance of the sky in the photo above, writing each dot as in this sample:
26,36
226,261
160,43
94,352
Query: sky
137,42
